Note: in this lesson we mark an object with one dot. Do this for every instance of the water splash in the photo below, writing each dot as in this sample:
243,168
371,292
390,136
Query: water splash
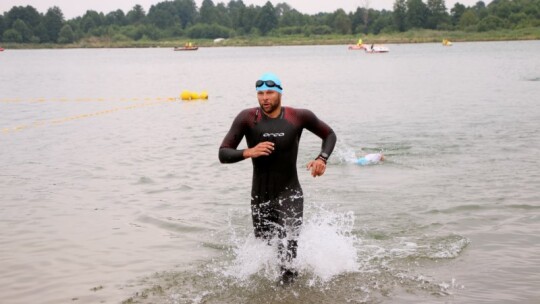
344,155
253,256
328,245
334,264
326,249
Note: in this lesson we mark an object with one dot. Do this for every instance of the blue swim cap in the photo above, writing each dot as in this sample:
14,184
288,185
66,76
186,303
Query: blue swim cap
271,77
362,161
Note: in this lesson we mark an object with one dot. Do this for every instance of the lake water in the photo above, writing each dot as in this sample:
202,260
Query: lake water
111,190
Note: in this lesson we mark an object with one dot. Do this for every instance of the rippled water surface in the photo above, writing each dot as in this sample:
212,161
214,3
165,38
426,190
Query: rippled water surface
111,190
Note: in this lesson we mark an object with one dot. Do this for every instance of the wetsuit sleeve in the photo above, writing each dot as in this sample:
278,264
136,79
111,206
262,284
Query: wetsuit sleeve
228,152
321,129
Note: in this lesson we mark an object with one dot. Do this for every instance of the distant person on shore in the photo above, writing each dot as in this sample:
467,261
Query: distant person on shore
370,159
272,133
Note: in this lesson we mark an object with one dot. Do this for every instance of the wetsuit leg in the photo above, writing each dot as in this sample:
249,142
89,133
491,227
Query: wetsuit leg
291,211
281,219
263,216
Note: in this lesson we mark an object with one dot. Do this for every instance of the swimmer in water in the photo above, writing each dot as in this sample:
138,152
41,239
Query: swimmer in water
272,133
370,159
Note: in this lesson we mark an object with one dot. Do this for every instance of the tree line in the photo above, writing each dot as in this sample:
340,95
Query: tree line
183,19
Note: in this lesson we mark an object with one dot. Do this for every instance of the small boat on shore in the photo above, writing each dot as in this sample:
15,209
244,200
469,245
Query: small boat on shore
377,49
186,48
357,47
370,48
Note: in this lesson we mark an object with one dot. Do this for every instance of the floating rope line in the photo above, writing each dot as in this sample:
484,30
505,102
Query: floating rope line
57,121
41,99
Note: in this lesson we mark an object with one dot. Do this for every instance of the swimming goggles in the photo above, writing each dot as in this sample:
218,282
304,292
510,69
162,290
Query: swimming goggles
269,83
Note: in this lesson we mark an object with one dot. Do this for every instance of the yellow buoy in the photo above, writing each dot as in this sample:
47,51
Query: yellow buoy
186,95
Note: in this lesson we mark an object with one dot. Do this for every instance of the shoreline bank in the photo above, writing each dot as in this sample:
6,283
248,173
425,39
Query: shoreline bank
419,36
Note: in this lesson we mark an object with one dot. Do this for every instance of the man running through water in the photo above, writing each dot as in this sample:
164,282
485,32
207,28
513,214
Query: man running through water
272,134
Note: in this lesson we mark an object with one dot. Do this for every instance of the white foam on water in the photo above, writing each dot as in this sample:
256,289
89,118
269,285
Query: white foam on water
253,256
326,248
344,154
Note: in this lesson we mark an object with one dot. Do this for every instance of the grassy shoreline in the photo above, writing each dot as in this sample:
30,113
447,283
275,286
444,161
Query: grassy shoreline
416,36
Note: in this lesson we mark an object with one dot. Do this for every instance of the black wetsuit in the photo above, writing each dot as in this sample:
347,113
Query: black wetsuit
277,201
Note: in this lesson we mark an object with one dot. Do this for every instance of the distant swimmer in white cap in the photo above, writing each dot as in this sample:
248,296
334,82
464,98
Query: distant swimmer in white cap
370,159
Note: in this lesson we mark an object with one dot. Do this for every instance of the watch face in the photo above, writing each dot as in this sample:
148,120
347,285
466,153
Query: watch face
324,155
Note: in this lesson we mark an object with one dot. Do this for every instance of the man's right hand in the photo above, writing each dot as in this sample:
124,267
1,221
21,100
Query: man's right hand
262,149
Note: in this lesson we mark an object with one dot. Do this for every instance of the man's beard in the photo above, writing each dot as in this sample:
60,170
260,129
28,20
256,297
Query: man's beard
273,107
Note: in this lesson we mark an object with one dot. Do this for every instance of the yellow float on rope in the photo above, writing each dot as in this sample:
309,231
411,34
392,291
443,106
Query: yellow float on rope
188,95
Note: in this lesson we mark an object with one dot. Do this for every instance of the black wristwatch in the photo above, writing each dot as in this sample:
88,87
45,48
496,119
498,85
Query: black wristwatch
323,156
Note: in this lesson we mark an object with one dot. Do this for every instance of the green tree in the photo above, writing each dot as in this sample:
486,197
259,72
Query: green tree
358,19
400,15
248,18
416,13
267,19
519,19
12,35
234,9
187,11
341,23
41,34
2,27
132,31
468,19
372,18
532,9
490,23
116,18
292,18
282,8
456,12
91,20
76,27
163,15
209,31
66,34
151,32
318,30
437,14
501,8
136,15
382,22
480,9
23,29
53,21
208,12
28,14
222,16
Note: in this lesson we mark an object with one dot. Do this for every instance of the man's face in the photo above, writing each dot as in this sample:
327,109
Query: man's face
270,101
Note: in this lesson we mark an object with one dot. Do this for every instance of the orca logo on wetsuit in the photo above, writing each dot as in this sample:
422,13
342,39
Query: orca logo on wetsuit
273,134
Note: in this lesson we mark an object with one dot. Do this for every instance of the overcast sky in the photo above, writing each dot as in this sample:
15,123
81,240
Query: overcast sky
75,8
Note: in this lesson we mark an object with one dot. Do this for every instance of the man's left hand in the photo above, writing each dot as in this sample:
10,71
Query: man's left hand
317,167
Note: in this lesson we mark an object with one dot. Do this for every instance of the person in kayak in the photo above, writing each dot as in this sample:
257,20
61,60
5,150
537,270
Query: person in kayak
273,133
